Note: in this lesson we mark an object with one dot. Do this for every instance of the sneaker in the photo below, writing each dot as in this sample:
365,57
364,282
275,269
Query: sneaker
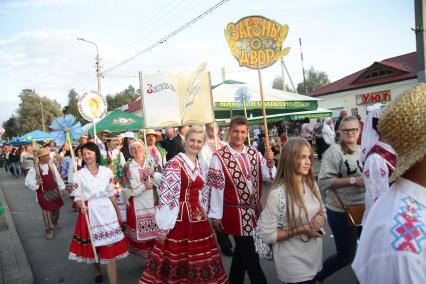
49,235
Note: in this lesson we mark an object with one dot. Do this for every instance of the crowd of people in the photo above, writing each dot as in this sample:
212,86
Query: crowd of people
174,199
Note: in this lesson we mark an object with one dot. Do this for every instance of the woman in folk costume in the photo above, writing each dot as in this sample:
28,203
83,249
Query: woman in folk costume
141,229
97,192
112,158
186,250
45,179
380,159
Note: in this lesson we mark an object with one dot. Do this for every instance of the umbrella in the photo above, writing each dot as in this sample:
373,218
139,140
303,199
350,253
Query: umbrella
119,121
36,135
276,101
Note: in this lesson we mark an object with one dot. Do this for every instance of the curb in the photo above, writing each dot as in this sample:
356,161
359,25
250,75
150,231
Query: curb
17,268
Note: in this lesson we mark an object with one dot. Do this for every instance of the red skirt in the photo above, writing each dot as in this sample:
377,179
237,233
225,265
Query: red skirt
188,255
81,247
136,247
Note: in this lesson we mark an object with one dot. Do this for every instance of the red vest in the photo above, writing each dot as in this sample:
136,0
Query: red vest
239,205
49,184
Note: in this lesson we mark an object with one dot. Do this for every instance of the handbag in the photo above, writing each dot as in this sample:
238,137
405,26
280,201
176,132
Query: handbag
354,213
51,195
264,250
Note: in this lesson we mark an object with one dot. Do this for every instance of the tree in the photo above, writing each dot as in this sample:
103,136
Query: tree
124,97
278,84
314,80
30,111
72,107
11,127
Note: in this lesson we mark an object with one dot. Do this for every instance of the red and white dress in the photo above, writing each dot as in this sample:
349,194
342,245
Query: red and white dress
141,229
107,236
189,253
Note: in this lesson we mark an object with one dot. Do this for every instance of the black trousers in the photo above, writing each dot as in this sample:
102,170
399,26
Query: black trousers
245,259
321,146
223,240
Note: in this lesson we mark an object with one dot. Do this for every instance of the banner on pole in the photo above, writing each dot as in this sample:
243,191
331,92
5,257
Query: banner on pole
256,42
173,100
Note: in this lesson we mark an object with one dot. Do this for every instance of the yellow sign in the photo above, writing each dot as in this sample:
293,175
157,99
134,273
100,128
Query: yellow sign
256,42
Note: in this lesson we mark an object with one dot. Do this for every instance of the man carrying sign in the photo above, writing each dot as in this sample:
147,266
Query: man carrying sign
235,179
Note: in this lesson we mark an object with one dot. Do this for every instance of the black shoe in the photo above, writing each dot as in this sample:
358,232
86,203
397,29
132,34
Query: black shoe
227,251
99,278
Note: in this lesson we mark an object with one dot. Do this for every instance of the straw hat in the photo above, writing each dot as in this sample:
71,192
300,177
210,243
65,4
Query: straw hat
42,152
150,131
403,125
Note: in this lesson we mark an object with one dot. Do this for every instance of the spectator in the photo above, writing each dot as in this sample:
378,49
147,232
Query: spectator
341,179
328,133
293,227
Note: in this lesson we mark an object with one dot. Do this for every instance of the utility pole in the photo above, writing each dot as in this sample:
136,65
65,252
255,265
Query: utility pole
419,7
98,63
282,73
303,68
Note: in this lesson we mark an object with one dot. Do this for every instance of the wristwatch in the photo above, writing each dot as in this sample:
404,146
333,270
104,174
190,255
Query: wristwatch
352,180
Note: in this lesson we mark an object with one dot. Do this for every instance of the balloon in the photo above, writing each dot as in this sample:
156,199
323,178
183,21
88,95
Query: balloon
2,131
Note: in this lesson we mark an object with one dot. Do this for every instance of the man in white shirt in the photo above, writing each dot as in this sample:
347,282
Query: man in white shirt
392,248
235,179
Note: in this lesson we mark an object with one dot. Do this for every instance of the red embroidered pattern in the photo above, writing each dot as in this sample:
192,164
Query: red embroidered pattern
170,185
215,179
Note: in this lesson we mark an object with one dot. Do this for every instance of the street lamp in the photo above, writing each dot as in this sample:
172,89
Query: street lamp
98,67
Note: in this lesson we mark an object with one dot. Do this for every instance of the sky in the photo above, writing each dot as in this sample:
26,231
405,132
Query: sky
39,49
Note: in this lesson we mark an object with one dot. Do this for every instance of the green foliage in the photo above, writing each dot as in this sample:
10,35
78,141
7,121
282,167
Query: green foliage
30,111
124,97
72,107
11,128
314,80
278,84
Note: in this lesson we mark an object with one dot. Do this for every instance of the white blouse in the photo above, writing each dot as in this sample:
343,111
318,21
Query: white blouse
376,178
206,153
296,260
216,197
31,178
93,187
170,187
392,247
328,134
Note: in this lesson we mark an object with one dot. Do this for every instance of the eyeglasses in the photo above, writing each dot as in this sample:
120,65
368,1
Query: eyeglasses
350,130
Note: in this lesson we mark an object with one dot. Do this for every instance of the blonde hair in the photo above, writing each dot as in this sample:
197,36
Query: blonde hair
133,143
286,177
197,130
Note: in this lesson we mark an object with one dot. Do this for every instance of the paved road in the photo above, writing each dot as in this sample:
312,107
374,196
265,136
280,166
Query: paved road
49,259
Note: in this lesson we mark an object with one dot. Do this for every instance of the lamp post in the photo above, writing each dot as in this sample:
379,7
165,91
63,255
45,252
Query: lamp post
98,67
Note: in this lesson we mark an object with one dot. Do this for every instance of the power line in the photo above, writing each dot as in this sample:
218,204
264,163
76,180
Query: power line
168,36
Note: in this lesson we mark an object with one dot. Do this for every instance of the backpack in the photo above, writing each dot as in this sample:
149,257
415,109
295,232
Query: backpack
264,250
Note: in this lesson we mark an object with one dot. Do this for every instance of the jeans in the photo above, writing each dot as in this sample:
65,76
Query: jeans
14,169
245,259
345,239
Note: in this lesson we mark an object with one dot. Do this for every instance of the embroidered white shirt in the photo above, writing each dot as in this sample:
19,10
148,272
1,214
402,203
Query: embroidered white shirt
170,187
217,191
392,248
376,178
31,178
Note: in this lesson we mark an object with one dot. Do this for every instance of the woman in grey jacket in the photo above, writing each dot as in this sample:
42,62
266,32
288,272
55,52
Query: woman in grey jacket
341,169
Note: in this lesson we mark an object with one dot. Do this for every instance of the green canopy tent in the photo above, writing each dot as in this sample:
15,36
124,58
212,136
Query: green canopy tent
319,113
276,101
119,121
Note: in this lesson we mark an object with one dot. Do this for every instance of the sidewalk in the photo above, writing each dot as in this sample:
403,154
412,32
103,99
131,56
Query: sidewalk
14,265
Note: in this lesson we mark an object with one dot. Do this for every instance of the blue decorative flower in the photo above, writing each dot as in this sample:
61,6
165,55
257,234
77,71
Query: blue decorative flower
242,95
63,125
